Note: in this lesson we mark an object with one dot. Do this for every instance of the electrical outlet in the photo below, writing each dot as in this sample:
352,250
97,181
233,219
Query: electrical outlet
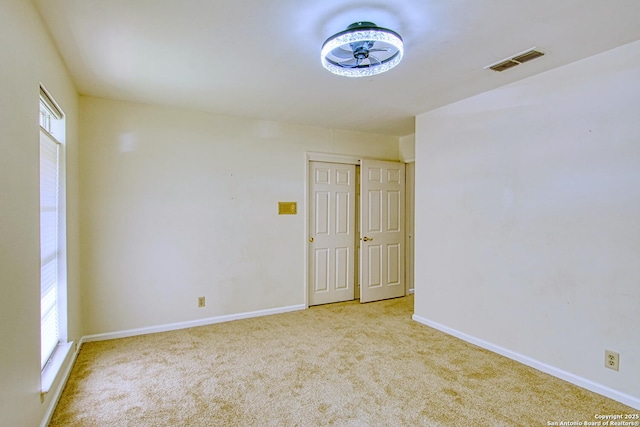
200,302
612,360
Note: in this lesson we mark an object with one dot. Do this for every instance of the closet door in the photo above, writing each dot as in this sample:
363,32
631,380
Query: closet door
331,232
381,230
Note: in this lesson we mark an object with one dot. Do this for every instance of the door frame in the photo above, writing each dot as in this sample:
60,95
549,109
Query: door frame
410,231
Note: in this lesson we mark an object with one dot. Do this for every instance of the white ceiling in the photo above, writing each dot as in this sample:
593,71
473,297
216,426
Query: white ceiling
261,58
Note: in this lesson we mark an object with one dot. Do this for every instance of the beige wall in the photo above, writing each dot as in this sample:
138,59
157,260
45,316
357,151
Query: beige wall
27,57
180,204
528,212
407,147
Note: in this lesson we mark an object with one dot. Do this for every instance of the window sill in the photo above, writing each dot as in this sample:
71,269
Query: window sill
53,368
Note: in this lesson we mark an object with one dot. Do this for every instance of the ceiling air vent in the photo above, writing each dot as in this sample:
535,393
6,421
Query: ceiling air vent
517,59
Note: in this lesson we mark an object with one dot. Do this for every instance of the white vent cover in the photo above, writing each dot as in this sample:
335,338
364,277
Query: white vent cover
514,60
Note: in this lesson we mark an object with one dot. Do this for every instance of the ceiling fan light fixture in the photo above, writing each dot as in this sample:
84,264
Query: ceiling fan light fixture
362,50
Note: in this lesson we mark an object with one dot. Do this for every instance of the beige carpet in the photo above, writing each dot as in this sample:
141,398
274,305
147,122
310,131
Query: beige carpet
342,364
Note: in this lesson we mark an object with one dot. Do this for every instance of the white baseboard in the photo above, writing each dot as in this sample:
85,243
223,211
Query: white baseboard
189,324
628,400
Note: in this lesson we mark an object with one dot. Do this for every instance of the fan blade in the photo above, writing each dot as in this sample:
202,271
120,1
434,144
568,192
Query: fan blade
352,63
342,53
373,58
384,49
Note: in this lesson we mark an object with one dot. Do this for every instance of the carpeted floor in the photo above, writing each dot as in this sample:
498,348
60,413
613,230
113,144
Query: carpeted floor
345,364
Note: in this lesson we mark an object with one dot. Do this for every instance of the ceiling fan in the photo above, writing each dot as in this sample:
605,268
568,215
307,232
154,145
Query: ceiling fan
363,49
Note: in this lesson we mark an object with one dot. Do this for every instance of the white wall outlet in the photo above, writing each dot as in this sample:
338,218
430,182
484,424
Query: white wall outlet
612,360
201,302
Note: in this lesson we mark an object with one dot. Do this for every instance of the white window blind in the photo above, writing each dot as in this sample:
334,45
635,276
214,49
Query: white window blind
49,248
52,127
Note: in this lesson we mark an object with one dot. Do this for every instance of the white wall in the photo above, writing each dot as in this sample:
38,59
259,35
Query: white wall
180,204
27,57
528,212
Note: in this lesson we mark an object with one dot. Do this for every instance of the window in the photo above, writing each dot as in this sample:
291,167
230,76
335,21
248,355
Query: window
52,257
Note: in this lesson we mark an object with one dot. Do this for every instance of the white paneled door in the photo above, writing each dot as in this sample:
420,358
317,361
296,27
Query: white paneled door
331,232
381,230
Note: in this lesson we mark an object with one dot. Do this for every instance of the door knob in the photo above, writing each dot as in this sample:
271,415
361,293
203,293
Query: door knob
311,239
366,239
